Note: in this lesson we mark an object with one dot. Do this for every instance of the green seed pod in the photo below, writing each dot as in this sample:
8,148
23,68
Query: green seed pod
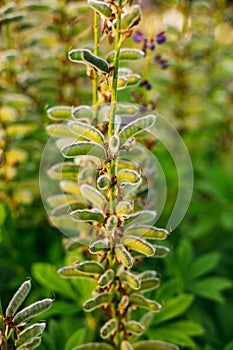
61,200
103,182
124,256
108,328
123,209
128,176
161,251
90,149
96,302
8,8
126,55
76,56
99,246
61,171
132,280
18,298
59,113
133,79
101,7
146,231
114,143
125,345
124,302
148,274
12,17
63,210
140,301
154,345
94,346
106,278
90,267
89,215
34,343
31,311
134,327
149,284
69,186
86,131
71,271
83,112
59,130
126,109
138,125
111,223
131,17
139,245
31,332
141,217
93,196
95,61
122,83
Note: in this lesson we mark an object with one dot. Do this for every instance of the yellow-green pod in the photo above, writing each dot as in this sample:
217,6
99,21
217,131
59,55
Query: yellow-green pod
103,182
101,7
87,131
149,284
31,311
32,344
138,125
146,231
154,345
140,301
124,256
123,304
106,278
59,113
66,170
148,274
131,17
161,251
59,130
18,298
69,186
125,345
126,55
108,328
90,149
122,83
132,280
128,176
29,333
134,327
139,245
83,112
71,271
61,200
111,223
99,246
141,217
133,79
90,267
96,302
93,196
63,210
126,109
114,143
94,346
89,215
124,209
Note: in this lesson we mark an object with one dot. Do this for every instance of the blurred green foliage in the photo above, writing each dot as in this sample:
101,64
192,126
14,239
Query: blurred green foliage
194,93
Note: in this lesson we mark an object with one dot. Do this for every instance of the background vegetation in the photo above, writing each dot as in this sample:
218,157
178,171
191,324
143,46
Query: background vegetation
194,92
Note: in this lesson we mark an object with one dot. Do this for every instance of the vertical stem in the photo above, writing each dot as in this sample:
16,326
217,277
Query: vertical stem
96,52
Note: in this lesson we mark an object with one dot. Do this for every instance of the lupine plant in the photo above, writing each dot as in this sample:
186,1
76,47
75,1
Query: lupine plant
103,206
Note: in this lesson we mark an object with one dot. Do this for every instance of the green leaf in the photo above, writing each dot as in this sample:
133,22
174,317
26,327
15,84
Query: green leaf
173,308
203,265
77,338
229,346
211,287
126,55
154,345
90,149
46,274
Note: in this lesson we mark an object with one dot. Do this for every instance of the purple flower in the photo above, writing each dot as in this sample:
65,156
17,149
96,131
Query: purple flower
151,45
138,36
160,37
161,61
146,84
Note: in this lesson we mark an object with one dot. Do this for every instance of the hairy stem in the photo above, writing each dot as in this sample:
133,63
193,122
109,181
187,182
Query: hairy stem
96,52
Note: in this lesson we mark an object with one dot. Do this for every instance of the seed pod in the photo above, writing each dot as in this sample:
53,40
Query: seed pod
96,302
154,345
139,300
161,251
106,278
132,280
91,215
148,274
101,7
7,8
149,284
123,209
128,176
12,17
65,170
60,200
71,271
125,345
87,131
141,217
108,328
31,332
99,246
111,223
59,113
83,112
91,149
114,143
76,56
90,267
59,130
124,302
122,83
18,298
146,231
134,327
63,210
124,256
94,346
69,186
103,182
136,126
133,79
131,17
31,311
34,343
139,245
93,196
95,61
126,55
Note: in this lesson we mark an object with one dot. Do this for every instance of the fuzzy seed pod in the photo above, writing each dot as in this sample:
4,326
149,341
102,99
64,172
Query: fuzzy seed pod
31,332
133,128
99,246
34,343
31,311
18,298
90,267
146,231
134,327
111,223
124,256
106,278
86,131
97,302
140,301
154,345
90,149
132,280
114,143
139,245
109,327
93,196
94,346
125,345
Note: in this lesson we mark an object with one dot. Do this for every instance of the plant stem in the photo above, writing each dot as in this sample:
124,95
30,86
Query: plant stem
96,52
